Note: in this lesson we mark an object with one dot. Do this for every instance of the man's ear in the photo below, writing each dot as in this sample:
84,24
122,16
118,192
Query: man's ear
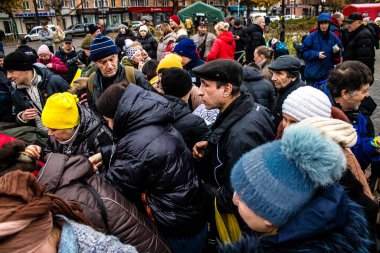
345,94
227,90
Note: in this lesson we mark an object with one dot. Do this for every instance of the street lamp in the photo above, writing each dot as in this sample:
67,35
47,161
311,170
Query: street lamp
323,1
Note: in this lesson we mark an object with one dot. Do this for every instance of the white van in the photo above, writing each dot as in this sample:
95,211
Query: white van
33,34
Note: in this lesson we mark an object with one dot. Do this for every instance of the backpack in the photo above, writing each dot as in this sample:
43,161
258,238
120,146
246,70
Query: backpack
129,74
279,49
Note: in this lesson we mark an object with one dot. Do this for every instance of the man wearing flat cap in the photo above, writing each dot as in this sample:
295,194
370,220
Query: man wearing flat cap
241,126
285,78
360,45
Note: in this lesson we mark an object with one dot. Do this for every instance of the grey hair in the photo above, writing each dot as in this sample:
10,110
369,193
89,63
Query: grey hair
255,19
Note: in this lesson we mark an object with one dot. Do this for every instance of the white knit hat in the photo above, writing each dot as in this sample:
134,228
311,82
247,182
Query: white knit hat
306,102
337,130
143,28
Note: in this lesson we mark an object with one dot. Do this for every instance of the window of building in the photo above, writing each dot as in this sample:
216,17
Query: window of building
40,5
25,5
124,3
101,3
72,4
113,3
85,3
135,3
165,2
155,3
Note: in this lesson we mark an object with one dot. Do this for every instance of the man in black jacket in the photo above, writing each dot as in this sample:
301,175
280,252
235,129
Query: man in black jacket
241,126
5,94
255,37
33,86
360,45
239,36
104,53
285,78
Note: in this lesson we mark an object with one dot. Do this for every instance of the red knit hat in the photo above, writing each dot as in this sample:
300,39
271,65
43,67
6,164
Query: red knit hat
175,18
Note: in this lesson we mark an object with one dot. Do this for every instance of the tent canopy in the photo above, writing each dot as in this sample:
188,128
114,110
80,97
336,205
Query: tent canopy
214,15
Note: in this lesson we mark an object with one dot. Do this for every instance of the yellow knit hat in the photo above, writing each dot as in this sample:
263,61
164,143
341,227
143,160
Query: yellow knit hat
61,111
170,61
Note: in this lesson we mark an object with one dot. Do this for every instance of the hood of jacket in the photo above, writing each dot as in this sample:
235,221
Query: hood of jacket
71,53
44,73
252,74
138,108
227,37
61,170
334,21
178,106
255,28
89,121
331,222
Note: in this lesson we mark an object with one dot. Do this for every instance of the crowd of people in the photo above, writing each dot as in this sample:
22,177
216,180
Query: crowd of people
159,141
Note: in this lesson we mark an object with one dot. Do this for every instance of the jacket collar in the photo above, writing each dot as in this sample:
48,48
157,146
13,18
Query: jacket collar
235,111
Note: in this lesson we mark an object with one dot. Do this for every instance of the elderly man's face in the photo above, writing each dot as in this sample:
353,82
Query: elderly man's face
108,66
354,25
281,79
261,22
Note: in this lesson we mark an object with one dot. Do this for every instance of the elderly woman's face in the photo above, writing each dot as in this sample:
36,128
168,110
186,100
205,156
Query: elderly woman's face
254,222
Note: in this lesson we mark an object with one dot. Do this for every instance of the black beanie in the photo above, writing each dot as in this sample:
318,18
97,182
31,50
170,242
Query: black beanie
17,61
176,82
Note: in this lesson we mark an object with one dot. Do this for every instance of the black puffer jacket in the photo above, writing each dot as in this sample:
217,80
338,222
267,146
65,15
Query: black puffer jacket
120,39
261,89
71,178
152,158
149,43
50,84
82,57
192,127
361,47
92,137
255,38
65,57
6,114
243,126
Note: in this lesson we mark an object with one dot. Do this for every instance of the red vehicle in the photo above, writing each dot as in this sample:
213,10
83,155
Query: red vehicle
371,10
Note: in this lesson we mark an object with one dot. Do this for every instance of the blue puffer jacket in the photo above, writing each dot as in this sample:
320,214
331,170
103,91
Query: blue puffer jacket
316,42
152,158
329,223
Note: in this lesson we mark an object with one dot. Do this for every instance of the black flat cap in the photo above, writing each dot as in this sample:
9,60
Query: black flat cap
286,62
353,17
224,70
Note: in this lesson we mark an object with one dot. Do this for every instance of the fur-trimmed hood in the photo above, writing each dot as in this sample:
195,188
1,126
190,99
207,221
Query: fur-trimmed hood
331,222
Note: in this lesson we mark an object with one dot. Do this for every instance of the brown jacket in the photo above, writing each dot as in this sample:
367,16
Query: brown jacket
67,177
354,165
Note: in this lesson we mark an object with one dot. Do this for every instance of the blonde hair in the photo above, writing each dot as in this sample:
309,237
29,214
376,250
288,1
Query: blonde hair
135,43
166,28
222,26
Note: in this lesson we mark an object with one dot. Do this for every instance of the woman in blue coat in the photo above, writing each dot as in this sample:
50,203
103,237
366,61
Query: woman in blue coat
286,191
321,50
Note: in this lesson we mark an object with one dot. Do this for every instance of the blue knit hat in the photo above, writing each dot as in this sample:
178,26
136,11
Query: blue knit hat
277,179
101,47
186,47
324,17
